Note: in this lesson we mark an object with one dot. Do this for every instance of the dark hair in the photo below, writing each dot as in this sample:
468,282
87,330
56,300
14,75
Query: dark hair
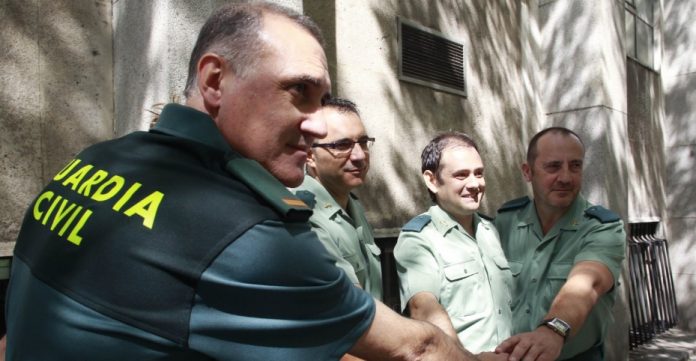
342,105
432,153
232,32
532,151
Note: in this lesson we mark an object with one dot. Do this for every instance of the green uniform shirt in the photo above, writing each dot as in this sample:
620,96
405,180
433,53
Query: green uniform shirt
345,234
541,264
469,276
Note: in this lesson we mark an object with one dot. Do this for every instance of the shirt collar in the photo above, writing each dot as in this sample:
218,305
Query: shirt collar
570,221
186,122
324,201
443,222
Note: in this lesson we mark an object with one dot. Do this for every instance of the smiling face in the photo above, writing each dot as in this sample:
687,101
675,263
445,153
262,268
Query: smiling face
459,185
340,173
270,114
556,172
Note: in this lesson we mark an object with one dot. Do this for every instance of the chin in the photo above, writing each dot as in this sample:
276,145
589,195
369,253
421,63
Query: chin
289,178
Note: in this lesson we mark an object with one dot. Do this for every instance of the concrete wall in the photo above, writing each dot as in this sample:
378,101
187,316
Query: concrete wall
679,83
502,104
152,44
583,65
56,97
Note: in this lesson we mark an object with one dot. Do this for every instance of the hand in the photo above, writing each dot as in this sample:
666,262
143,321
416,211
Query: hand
491,356
541,344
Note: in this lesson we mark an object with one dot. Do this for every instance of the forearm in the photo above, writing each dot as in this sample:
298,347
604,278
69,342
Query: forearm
392,337
574,302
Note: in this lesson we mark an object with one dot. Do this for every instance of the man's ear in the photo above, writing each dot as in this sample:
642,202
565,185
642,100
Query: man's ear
430,181
526,172
211,68
311,165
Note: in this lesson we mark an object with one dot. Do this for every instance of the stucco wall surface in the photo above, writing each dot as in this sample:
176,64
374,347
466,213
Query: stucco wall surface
501,107
56,96
152,45
679,82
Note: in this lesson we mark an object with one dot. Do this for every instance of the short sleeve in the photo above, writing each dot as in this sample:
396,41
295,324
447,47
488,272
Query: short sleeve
335,253
417,266
275,294
604,243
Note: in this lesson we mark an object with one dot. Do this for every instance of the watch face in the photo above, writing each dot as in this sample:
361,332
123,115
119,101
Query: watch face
560,325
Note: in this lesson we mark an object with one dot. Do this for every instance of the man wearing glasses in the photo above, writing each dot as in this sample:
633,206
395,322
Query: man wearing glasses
335,166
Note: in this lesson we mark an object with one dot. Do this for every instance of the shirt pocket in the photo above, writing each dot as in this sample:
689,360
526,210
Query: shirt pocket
462,283
556,277
504,273
357,262
515,268
374,249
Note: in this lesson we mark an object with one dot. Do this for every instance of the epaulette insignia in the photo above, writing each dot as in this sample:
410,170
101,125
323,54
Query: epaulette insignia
416,224
307,197
514,204
485,216
602,214
254,176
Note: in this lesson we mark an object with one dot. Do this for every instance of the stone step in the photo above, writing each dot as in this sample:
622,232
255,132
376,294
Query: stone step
673,345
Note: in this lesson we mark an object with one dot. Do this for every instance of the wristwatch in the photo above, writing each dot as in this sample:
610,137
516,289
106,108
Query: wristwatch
558,326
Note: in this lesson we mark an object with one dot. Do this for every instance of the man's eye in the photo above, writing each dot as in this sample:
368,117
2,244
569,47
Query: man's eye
298,88
344,145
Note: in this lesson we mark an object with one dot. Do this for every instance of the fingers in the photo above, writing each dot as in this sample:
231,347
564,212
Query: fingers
521,349
507,345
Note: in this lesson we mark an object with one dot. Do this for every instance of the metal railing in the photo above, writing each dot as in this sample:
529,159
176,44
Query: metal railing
652,299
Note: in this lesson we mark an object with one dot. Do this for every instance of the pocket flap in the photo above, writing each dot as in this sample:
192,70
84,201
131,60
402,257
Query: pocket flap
461,270
374,249
559,271
501,262
515,267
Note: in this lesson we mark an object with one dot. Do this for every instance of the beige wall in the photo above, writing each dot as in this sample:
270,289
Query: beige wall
152,44
56,96
502,105
679,83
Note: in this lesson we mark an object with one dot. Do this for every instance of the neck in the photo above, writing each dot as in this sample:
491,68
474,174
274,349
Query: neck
468,223
341,199
548,217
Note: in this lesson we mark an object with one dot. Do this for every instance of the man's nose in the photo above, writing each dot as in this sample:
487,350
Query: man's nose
564,174
357,153
473,184
314,126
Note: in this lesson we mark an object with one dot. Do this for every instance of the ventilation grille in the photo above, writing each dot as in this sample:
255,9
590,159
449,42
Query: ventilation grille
430,59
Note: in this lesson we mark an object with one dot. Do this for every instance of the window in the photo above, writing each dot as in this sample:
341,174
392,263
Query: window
428,58
640,31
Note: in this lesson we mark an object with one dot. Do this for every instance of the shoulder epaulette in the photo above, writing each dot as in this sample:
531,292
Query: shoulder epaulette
485,216
514,204
602,214
254,176
416,224
308,197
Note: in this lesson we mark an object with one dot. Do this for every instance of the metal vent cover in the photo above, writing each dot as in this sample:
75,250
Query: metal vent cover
428,58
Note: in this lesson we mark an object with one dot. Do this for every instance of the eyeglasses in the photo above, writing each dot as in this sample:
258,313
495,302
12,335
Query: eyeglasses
345,146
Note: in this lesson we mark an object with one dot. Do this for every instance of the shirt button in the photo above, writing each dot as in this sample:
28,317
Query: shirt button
527,311
500,312
534,279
